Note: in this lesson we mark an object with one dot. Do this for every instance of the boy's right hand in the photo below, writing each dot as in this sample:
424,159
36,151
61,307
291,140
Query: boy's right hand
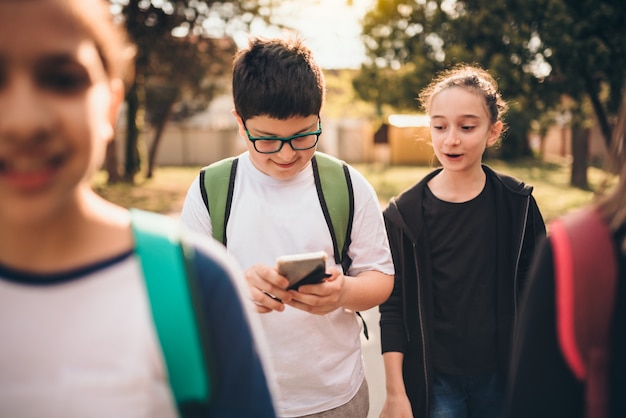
267,288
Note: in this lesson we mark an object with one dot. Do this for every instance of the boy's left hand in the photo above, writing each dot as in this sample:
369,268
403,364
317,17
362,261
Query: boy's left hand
321,298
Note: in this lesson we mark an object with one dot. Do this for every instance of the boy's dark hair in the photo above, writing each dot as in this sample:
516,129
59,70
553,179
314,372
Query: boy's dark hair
278,78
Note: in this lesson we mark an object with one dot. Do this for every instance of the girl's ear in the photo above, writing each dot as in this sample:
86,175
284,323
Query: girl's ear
494,133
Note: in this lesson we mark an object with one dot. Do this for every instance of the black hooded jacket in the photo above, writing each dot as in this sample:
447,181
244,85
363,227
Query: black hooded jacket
407,316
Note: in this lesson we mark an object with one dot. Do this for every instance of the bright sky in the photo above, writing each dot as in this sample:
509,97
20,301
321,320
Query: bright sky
330,28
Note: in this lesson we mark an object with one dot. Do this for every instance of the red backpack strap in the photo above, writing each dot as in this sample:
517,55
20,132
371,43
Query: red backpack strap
585,274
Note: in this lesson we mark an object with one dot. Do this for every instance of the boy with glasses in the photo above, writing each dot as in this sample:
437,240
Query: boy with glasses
278,92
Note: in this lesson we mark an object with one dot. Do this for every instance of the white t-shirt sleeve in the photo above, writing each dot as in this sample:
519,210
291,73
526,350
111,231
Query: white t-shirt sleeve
194,214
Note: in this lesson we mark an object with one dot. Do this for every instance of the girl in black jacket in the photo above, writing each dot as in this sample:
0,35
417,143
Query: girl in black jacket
462,240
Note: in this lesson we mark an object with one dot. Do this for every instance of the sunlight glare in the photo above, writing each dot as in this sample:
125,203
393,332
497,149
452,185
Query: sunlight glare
331,28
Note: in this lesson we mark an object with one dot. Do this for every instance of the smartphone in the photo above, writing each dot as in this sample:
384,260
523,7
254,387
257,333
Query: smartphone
304,268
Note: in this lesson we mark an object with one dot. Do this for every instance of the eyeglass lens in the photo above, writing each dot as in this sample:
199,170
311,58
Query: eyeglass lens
274,145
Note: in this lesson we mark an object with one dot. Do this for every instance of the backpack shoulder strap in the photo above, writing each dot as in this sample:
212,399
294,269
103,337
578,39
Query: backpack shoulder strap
337,201
217,182
162,256
585,274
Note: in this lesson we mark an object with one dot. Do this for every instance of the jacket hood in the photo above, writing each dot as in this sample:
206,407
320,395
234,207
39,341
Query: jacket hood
511,183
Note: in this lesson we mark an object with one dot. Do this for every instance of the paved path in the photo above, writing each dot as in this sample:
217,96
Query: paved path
374,369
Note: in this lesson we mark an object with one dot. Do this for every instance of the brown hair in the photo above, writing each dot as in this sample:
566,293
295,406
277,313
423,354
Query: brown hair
108,33
613,204
473,78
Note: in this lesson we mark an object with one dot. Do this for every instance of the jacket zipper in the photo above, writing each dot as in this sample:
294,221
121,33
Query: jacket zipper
421,321
519,255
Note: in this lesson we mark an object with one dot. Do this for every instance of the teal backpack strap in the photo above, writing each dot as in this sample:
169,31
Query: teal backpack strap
162,257
337,201
216,185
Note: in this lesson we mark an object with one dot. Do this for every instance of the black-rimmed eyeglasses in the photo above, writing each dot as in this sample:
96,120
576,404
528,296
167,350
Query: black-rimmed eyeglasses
297,142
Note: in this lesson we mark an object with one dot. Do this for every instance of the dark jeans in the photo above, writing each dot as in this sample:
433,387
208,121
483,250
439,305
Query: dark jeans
467,396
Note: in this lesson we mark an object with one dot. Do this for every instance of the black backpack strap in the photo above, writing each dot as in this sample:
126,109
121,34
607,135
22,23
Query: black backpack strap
337,203
217,182
346,261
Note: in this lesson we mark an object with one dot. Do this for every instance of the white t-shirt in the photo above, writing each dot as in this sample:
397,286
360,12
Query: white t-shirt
82,343
68,350
317,358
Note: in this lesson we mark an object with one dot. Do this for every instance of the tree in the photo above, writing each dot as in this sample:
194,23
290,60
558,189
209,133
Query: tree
416,39
539,51
183,47
584,43
206,63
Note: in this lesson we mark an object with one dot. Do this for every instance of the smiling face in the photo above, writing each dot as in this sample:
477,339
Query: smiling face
57,109
285,163
460,128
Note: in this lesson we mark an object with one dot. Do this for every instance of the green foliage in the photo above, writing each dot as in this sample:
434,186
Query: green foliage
341,100
538,50
184,50
408,42
584,42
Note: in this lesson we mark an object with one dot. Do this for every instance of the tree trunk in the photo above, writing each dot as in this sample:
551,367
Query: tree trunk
603,121
580,154
134,127
158,134
618,144
111,164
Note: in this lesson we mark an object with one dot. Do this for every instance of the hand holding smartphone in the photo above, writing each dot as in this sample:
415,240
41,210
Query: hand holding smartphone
305,268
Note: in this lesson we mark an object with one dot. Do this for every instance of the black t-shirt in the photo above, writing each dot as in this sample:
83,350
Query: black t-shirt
463,246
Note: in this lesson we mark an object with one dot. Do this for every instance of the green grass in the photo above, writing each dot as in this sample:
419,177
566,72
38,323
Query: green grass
551,182
166,192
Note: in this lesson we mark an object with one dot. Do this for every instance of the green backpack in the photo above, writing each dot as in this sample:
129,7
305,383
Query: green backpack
170,281
336,197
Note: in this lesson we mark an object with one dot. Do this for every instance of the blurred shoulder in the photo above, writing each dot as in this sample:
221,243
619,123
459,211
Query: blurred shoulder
210,252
